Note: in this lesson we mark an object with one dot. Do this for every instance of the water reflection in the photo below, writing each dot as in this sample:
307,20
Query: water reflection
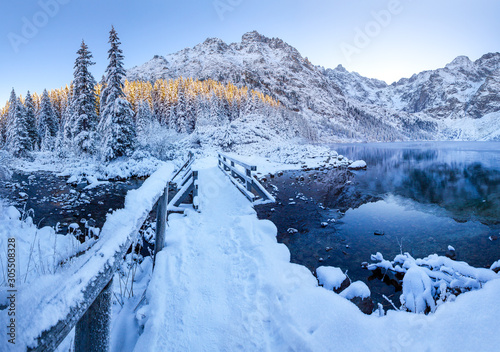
461,178
421,197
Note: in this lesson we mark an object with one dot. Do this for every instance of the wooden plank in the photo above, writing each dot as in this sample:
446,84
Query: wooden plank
92,330
246,166
183,167
251,197
243,176
50,339
161,223
250,184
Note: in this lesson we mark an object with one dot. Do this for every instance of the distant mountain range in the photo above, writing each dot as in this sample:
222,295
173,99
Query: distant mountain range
460,101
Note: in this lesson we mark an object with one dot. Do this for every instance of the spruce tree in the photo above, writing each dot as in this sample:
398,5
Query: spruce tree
3,128
144,117
181,112
11,109
31,121
17,140
47,122
83,119
116,127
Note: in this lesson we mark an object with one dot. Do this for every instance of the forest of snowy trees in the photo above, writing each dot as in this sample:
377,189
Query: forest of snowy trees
107,118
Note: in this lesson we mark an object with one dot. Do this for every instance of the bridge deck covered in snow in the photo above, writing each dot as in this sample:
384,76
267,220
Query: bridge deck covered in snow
223,283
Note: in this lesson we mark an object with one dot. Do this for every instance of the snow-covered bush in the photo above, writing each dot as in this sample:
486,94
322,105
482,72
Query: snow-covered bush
431,281
39,251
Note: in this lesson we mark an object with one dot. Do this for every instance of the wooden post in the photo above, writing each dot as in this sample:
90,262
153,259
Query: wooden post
232,169
161,223
249,180
92,330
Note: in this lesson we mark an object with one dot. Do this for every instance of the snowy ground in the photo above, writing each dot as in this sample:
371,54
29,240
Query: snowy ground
269,157
223,283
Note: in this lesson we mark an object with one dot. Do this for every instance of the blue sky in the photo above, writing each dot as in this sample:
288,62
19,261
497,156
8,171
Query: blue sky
385,39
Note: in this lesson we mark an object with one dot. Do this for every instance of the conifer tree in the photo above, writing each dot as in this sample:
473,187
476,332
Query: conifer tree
83,115
116,126
17,140
181,112
47,122
144,116
9,115
31,121
3,128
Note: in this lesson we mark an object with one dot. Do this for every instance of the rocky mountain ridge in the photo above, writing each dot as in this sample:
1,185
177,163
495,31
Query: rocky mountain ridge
344,105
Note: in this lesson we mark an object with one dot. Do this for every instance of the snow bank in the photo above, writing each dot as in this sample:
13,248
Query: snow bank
356,289
38,251
431,281
86,169
330,277
5,161
50,297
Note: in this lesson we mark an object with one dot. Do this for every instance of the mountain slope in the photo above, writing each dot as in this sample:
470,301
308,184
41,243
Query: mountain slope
343,105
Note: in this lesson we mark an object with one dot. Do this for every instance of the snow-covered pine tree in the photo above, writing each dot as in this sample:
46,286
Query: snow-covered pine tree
17,141
47,122
116,127
31,121
3,126
181,111
83,118
9,115
67,122
143,117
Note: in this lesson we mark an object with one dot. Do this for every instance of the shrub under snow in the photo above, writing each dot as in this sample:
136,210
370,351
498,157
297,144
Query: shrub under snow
433,280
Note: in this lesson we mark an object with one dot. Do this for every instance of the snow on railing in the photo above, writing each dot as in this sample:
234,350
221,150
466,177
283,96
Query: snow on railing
80,296
243,179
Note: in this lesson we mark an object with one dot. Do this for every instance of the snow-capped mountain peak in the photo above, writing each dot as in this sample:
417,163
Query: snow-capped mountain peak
341,104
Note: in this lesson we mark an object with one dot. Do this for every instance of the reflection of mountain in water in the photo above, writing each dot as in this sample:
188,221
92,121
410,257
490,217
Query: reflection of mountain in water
464,182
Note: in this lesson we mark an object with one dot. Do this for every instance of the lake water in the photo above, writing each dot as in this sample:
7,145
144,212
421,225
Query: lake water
418,198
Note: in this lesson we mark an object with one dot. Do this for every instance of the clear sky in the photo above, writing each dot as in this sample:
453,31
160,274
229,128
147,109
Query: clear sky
385,39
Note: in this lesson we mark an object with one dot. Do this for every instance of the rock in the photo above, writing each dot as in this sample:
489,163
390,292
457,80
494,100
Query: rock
357,165
493,237
343,285
324,224
365,305
379,233
452,254
291,230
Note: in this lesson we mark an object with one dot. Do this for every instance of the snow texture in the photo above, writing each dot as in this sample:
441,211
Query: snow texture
356,289
330,277
358,164
48,298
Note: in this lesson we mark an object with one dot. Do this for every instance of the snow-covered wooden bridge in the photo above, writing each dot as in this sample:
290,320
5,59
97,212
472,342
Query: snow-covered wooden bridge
83,300
221,282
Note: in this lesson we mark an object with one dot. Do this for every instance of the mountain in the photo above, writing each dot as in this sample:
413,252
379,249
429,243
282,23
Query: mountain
447,103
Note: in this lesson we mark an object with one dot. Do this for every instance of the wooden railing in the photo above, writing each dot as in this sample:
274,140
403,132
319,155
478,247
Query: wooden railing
184,182
241,176
90,315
